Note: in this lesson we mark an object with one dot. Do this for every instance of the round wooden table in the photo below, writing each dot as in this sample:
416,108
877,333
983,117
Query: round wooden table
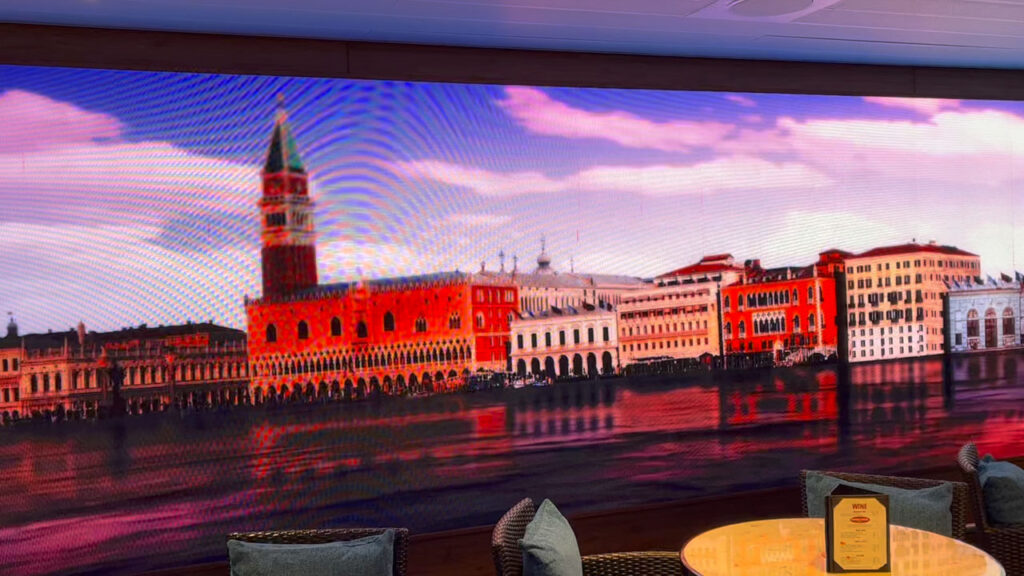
796,547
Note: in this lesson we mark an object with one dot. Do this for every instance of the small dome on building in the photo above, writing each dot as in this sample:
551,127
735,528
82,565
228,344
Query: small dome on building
543,260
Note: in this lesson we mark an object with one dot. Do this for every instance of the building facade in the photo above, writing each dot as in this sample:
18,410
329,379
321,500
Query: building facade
895,298
984,315
10,374
395,335
399,335
73,373
788,313
716,270
668,322
545,288
678,316
565,343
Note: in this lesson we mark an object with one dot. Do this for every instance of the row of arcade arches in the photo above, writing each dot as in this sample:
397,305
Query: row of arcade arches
356,388
565,366
333,363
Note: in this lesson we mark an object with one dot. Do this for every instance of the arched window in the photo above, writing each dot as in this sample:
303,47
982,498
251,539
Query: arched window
973,324
1009,326
743,329
810,295
796,323
35,384
479,320
991,337
726,302
796,296
728,329
335,326
454,322
303,330
271,333
361,329
421,324
811,326
389,322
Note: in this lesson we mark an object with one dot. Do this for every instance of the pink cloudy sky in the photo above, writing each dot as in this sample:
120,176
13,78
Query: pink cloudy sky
140,205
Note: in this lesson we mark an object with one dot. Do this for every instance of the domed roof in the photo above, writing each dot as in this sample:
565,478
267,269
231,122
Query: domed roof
12,326
543,260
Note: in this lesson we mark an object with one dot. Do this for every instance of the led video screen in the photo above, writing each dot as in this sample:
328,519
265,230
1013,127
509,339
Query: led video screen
238,303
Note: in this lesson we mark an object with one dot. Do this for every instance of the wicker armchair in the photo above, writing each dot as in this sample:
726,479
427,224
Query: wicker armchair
331,535
508,557
1004,542
960,493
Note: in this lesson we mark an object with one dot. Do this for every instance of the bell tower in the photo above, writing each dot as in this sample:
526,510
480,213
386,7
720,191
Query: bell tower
286,212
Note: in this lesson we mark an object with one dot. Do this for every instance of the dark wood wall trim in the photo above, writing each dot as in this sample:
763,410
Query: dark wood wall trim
33,45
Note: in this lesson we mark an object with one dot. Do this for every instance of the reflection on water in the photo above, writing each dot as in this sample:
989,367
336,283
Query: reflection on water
158,491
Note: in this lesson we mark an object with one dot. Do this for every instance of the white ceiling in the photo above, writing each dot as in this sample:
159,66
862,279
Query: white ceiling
976,33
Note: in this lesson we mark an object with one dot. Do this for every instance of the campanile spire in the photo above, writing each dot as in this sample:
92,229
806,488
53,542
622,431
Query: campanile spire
287,234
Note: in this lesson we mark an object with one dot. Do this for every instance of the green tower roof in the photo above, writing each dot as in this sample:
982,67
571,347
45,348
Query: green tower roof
283,155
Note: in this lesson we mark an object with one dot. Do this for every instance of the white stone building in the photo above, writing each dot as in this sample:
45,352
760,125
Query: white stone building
984,316
546,288
895,298
565,342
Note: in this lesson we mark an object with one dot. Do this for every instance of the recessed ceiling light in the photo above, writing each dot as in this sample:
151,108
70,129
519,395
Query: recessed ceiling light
767,8
762,10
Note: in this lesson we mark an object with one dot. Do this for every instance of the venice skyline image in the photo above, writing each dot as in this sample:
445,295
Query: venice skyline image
243,303
141,205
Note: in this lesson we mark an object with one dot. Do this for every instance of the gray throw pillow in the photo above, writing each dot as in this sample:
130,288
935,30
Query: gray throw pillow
549,545
924,509
370,556
1002,484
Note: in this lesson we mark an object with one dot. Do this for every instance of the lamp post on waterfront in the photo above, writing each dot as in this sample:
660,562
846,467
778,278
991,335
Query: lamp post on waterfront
115,379
172,399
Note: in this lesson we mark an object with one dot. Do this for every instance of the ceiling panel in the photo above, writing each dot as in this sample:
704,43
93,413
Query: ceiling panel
949,8
638,8
972,33
883,21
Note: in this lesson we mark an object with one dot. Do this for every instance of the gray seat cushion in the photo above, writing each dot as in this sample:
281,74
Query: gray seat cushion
549,545
370,556
1002,484
924,509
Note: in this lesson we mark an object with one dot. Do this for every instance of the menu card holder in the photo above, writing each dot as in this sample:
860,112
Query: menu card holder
857,531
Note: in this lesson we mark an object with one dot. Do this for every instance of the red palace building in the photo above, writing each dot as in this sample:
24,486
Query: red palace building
786,314
396,335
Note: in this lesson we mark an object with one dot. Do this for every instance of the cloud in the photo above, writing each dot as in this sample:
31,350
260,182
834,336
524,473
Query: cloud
745,101
83,173
348,260
111,231
477,219
719,175
111,276
968,133
926,106
33,122
541,114
481,181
